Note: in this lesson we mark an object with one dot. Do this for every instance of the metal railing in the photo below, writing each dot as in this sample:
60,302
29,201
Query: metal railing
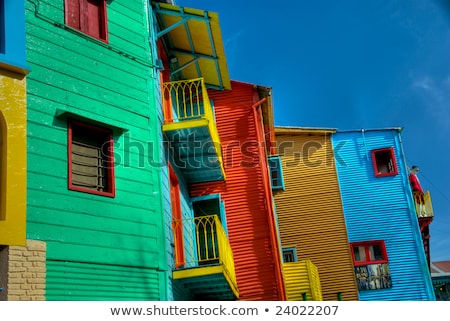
205,243
187,100
424,207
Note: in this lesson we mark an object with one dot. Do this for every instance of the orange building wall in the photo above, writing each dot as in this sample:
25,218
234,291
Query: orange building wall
310,213
247,209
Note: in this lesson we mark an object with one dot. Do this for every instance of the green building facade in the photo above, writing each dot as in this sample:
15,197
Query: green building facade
93,150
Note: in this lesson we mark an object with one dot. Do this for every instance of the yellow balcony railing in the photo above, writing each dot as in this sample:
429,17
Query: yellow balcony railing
302,281
186,105
186,100
205,243
424,207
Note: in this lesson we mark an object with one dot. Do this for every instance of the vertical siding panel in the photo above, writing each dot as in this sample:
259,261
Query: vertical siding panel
380,208
243,194
310,211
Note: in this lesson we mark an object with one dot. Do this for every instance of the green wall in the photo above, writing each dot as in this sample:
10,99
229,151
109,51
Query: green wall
98,248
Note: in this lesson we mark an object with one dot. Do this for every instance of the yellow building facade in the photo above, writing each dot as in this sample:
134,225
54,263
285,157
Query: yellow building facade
310,214
13,156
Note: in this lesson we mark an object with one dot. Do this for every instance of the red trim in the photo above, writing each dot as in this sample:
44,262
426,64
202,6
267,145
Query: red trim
275,242
176,216
111,178
165,77
374,162
366,245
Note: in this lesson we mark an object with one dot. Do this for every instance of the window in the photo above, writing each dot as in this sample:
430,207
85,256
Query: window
384,162
88,16
289,255
91,160
372,252
371,265
276,173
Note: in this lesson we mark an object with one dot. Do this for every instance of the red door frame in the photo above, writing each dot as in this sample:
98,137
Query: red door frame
177,225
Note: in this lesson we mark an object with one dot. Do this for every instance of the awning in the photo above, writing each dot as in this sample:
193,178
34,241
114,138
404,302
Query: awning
194,45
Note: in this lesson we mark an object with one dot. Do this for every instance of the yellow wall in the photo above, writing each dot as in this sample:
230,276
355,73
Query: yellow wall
12,158
310,213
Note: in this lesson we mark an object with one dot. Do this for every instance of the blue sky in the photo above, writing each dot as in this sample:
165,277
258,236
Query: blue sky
353,64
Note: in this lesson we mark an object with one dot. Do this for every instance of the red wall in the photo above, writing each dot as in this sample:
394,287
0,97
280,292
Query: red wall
256,260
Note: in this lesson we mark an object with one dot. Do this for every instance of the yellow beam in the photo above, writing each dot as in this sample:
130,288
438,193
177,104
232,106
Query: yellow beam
185,124
196,272
300,130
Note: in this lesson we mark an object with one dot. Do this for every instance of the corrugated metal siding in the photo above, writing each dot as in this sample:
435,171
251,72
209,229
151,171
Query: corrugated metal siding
93,282
243,195
379,208
310,214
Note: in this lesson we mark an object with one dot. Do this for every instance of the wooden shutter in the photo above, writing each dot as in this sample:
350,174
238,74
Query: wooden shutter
72,13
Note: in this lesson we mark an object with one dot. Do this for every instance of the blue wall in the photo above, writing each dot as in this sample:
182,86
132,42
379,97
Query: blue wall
380,208
12,27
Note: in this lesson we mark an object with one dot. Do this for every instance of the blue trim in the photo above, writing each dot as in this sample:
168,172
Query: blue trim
2,26
294,251
275,165
12,31
205,197
222,214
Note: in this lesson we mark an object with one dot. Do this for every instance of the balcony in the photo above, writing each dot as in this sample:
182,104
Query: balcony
302,281
206,267
424,208
190,127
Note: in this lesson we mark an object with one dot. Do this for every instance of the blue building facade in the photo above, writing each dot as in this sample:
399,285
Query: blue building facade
383,229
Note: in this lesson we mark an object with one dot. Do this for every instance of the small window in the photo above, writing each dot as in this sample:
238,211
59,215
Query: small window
87,16
91,159
289,255
276,172
384,163
372,252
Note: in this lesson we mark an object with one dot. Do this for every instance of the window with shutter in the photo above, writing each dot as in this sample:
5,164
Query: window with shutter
91,159
87,16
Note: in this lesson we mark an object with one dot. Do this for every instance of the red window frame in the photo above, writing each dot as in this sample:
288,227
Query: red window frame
366,245
109,157
88,16
390,151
